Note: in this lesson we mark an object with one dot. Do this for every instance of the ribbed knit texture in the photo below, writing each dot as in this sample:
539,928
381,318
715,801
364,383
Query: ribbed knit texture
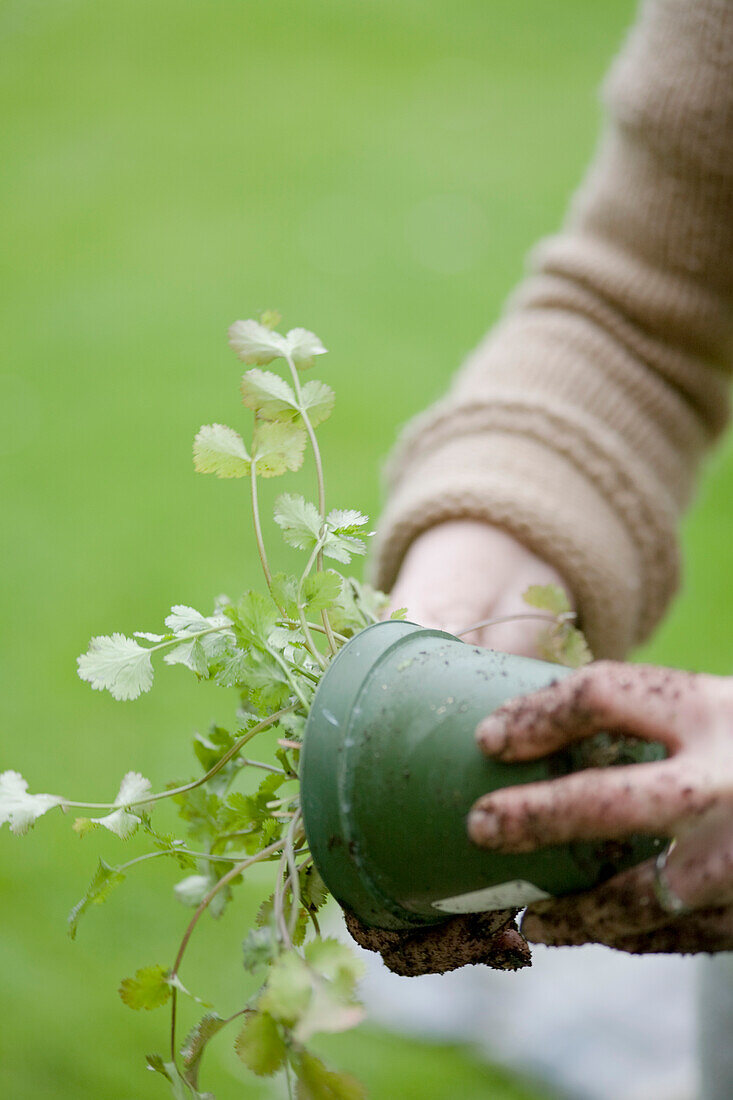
579,423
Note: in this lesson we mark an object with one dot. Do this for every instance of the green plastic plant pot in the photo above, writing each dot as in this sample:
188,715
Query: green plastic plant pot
390,769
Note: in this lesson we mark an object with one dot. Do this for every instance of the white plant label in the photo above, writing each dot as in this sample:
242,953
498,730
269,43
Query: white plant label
507,895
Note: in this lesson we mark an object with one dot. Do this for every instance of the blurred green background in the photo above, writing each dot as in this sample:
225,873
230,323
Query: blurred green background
376,169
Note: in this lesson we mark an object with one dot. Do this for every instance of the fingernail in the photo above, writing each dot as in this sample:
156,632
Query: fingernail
483,828
491,733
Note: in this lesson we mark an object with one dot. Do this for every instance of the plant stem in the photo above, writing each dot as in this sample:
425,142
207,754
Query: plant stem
265,767
233,857
566,615
309,675
180,638
289,677
263,725
317,627
294,876
278,903
321,484
258,531
315,652
223,881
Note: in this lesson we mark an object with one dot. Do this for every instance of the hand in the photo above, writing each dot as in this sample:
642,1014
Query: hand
463,571
688,797
488,938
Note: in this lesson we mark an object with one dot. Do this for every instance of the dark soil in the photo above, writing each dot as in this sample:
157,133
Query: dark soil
491,939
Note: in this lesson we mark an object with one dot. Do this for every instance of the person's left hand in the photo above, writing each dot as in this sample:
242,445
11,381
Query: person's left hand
684,906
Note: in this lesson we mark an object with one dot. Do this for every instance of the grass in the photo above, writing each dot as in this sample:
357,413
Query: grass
377,172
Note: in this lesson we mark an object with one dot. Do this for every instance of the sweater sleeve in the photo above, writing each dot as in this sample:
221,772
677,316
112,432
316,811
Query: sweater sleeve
580,421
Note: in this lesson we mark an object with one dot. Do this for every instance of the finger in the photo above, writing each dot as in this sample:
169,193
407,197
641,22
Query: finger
640,699
707,931
625,906
563,924
699,869
594,804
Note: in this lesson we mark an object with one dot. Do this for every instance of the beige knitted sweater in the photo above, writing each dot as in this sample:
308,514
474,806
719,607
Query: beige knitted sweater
579,423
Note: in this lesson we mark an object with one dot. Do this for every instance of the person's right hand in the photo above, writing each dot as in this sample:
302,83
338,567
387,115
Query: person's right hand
464,571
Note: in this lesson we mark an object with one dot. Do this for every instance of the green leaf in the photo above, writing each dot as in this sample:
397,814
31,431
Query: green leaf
255,343
294,726
268,395
253,617
179,1089
220,450
18,808
303,346
270,831
288,989
150,988
575,651
259,948
191,654
328,1010
301,928
134,788
231,669
316,1082
157,1064
264,683
340,543
193,889
299,521
342,547
270,318
200,808
313,890
278,447
272,398
563,644
118,664
242,811
264,915
103,883
260,1045
547,597
318,400
346,521
193,1048
186,620
336,962
346,615
258,345
168,843
322,590
285,593
210,748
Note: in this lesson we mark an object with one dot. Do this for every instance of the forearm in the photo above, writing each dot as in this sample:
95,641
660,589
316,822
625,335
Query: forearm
578,425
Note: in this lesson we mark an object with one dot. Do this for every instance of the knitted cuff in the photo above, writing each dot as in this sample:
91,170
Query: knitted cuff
548,503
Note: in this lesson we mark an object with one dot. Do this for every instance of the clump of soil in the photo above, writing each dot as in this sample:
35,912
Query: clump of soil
491,939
